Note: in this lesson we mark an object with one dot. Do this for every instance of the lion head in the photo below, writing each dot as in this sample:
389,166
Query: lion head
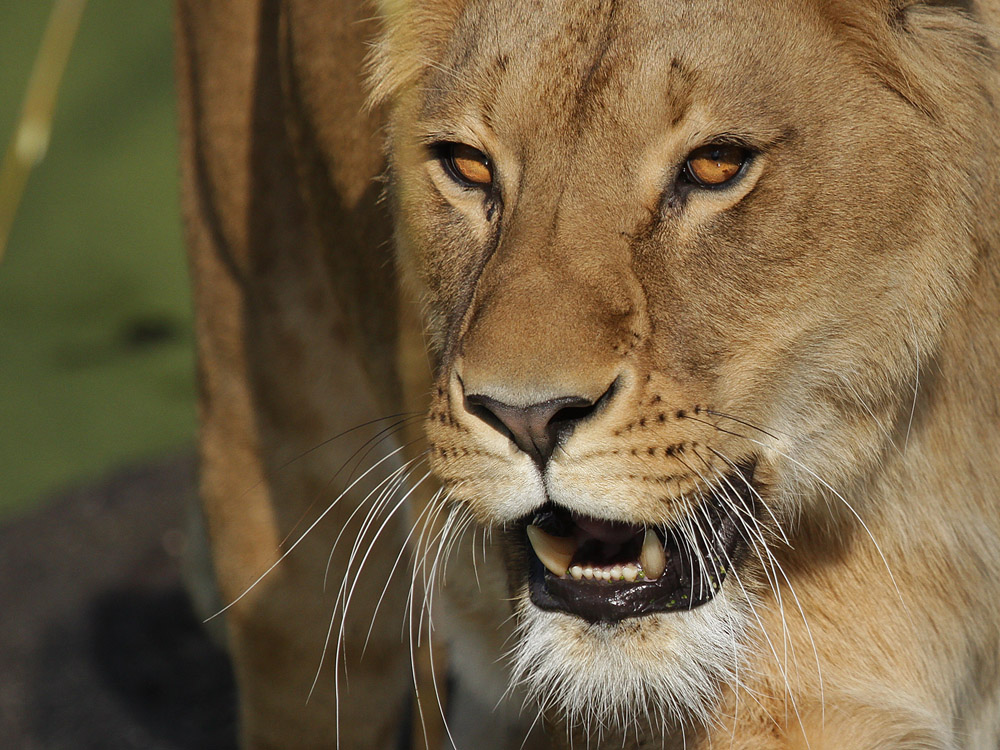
681,264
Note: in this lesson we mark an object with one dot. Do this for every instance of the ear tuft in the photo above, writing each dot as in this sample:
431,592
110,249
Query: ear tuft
921,49
900,10
413,32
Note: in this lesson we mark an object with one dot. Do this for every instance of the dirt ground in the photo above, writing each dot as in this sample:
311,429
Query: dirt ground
99,647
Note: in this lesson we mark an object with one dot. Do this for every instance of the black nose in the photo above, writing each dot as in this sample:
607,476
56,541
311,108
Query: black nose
536,428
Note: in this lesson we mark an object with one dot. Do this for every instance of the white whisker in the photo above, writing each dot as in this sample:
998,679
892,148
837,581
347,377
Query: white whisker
345,598
305,533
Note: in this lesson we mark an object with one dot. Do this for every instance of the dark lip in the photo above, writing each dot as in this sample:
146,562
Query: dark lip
692,577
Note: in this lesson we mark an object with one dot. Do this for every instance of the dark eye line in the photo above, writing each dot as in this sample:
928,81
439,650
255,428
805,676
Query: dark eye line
676,191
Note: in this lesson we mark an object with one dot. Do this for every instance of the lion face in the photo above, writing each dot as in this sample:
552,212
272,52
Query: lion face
678,261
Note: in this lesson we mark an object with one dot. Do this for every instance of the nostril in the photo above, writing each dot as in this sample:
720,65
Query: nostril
536,428
517,423
571,414
479,406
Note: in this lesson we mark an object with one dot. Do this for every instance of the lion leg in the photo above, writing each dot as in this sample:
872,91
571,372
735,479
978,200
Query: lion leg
256,507
280,375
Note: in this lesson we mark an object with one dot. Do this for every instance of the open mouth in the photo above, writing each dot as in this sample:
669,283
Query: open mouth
607,571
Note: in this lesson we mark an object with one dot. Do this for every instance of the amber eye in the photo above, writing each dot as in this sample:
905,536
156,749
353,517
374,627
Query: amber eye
715,164
467,165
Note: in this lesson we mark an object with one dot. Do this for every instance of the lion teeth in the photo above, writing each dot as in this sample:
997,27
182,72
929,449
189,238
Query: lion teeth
555,552
629,572
652,557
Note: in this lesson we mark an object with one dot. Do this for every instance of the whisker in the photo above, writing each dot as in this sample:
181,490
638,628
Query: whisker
763,630
723,429
748,536
743,422
441,542
373,442
337,602
426,548
357,578
916,377
403,550
848,505
345,599
428,514
327,441
751,489
828,486
377,439
305,533
534,723
746,594
429,599
475,565
391,483
774,566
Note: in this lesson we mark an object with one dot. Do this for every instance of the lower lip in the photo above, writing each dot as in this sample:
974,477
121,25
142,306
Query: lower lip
611,602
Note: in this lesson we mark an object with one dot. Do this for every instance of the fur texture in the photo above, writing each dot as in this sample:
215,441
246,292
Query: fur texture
828,318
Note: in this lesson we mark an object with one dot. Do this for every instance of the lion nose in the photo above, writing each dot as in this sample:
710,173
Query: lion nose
537,428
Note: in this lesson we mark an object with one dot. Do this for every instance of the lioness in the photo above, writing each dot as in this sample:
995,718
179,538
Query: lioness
699,299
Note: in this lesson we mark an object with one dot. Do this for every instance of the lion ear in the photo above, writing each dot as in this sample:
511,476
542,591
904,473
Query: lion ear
900,12
413,32
966,6
924,50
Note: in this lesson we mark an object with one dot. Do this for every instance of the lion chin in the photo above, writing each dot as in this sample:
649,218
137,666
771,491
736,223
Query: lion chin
612,677
698,309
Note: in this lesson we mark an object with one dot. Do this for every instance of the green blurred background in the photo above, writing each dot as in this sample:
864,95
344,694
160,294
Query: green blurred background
96,363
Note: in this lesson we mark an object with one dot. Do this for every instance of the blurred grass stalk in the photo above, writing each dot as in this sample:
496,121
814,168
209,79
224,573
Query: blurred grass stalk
31,135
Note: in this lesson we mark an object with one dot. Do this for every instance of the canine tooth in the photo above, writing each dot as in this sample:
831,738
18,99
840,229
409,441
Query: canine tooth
588,573
630,572
652,557
555,552
616,573
576,571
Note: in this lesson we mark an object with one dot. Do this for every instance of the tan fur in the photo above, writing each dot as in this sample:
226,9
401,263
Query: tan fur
832,317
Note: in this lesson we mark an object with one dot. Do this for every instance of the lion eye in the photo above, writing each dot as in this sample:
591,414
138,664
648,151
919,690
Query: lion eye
715,164
467,166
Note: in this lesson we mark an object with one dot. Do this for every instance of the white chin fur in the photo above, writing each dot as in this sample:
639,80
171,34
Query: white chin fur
606,676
